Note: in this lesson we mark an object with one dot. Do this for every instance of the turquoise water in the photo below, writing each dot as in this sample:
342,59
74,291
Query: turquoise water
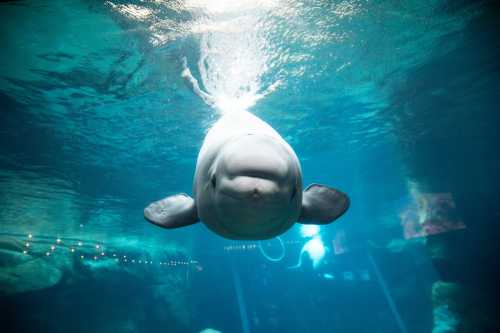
104,106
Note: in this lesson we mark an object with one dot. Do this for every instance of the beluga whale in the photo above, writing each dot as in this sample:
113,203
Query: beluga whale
248,185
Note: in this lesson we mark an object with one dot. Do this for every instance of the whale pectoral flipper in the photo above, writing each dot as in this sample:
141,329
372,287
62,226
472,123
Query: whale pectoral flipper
322,204
172,212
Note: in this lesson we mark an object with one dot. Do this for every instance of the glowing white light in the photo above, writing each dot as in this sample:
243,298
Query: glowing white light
309,230
27,244
315,249
30,236
97,246
52,247
25,251
47,253
58,240
80,243
72,250
230,6
233,80
81,257
102,253
132,11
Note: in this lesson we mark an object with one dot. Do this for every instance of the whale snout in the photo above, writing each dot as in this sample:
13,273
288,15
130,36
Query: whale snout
253,189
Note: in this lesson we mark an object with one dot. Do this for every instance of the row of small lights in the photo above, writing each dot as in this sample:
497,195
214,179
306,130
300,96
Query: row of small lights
350,276
116,257
243,247
240,247
253,246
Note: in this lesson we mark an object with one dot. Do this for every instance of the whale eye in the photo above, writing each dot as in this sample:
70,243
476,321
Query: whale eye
213,181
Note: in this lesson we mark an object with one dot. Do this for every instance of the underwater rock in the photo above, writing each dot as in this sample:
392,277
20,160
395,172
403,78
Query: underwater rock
22,272
173,293
461,308
33,275
445,321
446,300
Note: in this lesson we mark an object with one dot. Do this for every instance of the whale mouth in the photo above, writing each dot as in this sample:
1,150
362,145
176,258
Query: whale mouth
251,189
250,216
256,173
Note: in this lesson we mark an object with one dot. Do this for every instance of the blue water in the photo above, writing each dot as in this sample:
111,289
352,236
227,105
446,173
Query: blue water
393,102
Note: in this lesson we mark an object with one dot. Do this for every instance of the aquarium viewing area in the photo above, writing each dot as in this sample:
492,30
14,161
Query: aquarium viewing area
249,166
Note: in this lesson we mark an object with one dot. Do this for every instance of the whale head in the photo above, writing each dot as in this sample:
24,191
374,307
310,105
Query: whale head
248,185
253,189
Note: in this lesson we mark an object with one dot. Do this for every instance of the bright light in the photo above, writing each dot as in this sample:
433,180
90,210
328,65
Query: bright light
315,249
233,80
309,230
213,7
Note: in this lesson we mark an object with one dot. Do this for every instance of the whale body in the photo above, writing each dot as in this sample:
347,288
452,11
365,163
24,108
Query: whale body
248,185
